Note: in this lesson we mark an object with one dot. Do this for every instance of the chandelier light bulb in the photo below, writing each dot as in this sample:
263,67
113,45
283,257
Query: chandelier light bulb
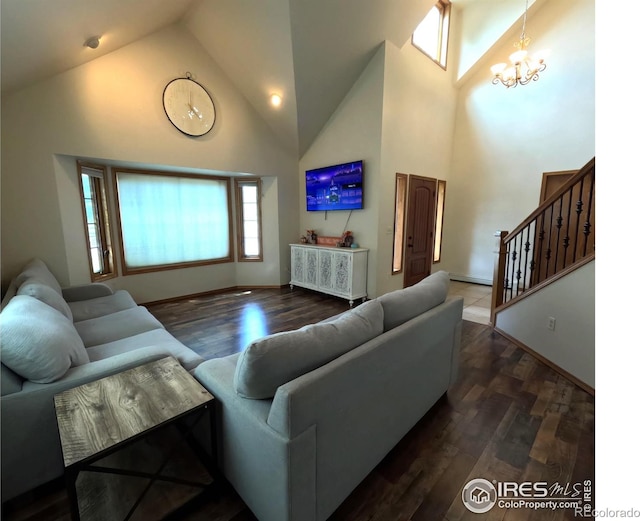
541,56
518,57
498,68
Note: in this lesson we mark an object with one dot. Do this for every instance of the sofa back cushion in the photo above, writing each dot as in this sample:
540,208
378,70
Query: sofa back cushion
276,359
36,270
404,304
38,342
46,294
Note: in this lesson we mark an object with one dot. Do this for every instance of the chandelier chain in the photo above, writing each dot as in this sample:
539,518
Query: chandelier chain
524,20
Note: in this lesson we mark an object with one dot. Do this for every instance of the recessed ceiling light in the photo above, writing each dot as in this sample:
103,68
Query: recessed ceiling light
276,100
92,42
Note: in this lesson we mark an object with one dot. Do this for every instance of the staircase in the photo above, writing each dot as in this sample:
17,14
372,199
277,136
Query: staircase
557,238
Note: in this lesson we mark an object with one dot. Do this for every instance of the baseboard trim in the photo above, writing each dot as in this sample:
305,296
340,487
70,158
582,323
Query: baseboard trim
562,372
472,280
212,292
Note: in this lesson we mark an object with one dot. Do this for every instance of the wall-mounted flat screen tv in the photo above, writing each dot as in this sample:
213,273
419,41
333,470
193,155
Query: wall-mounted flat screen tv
336,187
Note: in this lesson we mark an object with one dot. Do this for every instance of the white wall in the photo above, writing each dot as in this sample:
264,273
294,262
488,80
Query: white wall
267,272
505,139
352,133
398,117
485,24
417,132
571,301
110,109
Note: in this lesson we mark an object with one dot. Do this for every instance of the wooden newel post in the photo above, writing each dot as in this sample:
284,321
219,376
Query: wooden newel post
497,292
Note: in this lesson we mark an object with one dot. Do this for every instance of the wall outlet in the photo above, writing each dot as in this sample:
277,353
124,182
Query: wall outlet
551,323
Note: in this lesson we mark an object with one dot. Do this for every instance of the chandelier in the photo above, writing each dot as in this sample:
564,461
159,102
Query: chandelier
524,67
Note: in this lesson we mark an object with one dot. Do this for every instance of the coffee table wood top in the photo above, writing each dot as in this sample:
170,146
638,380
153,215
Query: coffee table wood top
102,414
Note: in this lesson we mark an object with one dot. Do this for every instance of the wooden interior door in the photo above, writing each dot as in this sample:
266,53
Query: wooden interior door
548,256
551,181
421,212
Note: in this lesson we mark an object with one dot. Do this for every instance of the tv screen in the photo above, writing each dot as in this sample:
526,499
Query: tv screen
337,187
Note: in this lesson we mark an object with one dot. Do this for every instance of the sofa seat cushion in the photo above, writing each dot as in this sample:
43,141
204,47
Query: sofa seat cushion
404,304
274,360
38,342
98,307
116,326
45,294
10,382
36,270
159,338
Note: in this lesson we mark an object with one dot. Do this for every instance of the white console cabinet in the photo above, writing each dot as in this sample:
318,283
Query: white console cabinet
337,271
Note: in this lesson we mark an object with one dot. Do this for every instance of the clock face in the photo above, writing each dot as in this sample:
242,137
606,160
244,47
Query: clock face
189,106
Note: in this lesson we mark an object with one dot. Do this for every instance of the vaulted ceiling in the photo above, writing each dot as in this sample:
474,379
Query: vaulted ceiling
309,51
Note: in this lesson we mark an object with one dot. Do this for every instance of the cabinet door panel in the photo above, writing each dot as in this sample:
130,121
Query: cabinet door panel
311,268
297,264
342,270
325,269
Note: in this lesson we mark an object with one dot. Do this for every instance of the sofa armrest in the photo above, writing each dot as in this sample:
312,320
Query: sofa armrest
86,291
31,453
82,374
274,475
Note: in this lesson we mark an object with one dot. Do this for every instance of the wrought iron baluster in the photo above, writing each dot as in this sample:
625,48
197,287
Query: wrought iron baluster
567,239
558,226
579,205
527,247
519,272
548,252
507,284
541,235
514,256
587,222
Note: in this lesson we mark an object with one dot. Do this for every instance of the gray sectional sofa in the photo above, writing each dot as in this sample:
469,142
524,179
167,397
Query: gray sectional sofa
53,339
305,415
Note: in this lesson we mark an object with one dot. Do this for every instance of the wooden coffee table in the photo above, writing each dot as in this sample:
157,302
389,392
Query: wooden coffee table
99,418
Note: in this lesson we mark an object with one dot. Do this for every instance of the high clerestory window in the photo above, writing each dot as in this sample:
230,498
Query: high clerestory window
432,34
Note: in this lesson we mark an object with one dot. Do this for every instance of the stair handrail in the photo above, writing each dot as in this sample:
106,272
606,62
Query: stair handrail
553,198
501,280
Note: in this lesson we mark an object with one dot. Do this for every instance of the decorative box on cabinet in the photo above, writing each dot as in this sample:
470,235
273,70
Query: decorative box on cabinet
337,271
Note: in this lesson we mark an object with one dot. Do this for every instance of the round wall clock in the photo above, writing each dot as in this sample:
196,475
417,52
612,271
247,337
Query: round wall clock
189,106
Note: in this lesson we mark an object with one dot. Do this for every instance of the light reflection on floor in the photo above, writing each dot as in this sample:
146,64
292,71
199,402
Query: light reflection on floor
253,324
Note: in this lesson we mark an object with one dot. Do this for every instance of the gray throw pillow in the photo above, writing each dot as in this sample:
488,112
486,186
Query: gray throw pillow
38,342
276,359
46,294
404,304
36,270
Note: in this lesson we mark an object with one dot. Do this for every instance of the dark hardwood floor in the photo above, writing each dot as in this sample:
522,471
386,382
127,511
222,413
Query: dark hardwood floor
508,418
222,324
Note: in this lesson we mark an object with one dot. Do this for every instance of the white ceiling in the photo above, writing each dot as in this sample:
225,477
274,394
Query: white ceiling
311,51
41,38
